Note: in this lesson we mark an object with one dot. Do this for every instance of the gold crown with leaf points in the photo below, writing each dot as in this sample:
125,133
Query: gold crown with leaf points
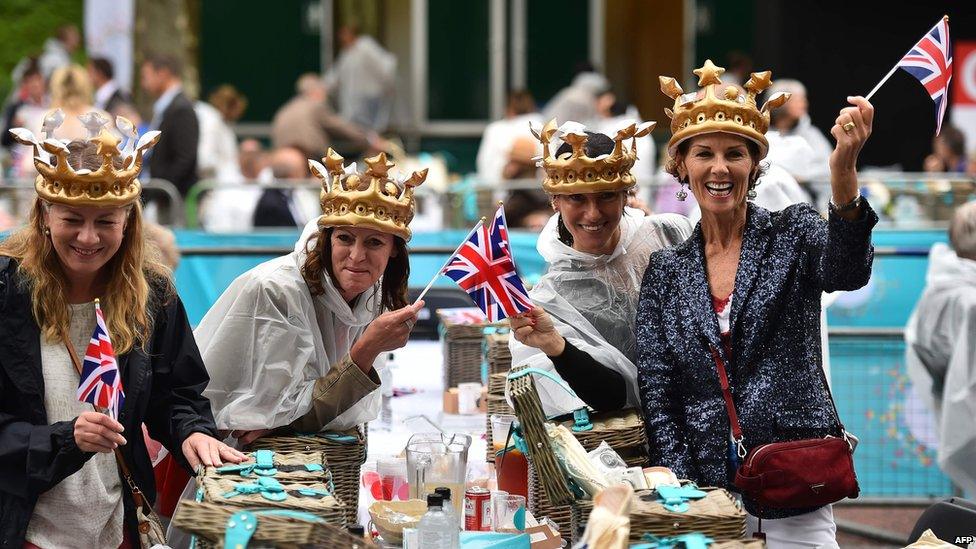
372,199
59,182
716,109
577,173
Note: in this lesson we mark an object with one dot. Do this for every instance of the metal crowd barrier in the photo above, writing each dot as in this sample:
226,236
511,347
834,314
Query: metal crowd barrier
158,194
931,197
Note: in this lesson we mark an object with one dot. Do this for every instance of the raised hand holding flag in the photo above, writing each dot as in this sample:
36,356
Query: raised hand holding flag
930,61
101,380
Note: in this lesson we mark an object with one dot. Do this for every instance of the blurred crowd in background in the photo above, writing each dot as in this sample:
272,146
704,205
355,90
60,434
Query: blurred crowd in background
349,108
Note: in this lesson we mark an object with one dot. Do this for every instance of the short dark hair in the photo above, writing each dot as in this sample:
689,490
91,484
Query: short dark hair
33,68
596,144
954,139
103,66
161,61
521,102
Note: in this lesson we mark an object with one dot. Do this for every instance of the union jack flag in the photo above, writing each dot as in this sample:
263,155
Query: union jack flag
483,266
101,381
930,61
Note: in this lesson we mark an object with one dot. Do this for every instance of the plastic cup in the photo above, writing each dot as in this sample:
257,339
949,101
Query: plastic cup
505,513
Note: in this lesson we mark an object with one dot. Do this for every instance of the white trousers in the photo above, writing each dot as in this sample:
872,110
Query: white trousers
814,529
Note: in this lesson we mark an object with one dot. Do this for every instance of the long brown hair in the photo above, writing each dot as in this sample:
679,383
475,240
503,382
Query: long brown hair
393,293
129,305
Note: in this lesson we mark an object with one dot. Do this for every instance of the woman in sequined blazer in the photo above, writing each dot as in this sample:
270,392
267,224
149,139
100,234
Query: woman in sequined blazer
747,286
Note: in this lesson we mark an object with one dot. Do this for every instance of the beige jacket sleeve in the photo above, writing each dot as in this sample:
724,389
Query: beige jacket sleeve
344,385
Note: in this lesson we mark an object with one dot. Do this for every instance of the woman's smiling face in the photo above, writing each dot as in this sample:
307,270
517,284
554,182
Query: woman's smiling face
718,168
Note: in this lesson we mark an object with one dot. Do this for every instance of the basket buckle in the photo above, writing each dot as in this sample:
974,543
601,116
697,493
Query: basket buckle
581,421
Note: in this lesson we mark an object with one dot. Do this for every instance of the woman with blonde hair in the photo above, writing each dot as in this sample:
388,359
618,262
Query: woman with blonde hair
60,485
72,93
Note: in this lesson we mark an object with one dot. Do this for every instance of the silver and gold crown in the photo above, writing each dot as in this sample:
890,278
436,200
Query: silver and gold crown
372,199
59,182
716,109
577,173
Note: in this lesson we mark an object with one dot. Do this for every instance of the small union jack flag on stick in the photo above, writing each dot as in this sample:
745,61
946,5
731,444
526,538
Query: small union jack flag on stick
101,381
484,268
930,61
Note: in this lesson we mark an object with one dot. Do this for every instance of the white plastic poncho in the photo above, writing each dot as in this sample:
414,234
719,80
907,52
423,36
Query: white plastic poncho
940,349
266,340
592,300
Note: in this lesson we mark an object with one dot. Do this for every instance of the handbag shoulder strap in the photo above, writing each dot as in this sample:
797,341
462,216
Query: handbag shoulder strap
137,495
723,380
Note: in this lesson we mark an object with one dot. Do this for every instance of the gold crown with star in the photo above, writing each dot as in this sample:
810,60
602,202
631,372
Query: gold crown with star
716,109
577,173
372,199
59,182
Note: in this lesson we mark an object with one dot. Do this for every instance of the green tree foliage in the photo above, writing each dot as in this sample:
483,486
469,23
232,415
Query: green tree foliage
25,25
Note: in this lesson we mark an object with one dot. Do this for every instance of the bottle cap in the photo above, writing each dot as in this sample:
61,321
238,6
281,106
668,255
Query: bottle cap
443,492
434,500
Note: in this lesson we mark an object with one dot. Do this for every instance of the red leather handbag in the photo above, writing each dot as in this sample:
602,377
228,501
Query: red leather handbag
803,473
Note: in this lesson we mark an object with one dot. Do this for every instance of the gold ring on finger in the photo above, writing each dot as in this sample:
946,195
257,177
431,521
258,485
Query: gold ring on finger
848,126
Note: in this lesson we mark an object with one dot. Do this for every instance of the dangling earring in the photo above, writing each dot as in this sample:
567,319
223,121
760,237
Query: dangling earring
751,195
682,194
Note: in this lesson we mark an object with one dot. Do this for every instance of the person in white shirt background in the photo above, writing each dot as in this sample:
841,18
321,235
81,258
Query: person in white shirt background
363,76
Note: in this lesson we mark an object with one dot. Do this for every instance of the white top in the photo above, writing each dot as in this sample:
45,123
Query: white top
362,72
266,340
104,93
85,509
217,150
497,141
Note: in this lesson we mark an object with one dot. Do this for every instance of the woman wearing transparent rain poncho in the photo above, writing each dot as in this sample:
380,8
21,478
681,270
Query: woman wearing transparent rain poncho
296,342
597,249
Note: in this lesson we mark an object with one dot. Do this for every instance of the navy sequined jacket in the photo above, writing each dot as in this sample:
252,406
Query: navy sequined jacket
788,258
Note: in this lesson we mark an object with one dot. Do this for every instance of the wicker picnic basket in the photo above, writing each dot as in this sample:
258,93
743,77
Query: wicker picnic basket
464,350
288,467
496,384
718,515
328,507
496,405
498,353
345,453
209,522
622,430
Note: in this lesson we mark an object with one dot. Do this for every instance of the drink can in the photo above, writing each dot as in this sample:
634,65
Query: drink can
477,509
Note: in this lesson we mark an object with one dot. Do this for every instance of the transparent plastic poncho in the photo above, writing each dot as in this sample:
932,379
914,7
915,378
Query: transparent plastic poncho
592,300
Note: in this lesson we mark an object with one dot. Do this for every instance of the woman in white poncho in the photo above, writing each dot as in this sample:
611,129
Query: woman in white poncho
597,249
295,342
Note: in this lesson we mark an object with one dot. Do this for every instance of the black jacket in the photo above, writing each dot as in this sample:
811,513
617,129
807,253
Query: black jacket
174,158
274,209
163,389
788,259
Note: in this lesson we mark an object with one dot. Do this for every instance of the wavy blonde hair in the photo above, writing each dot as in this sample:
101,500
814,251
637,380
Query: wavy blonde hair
71,87
130,306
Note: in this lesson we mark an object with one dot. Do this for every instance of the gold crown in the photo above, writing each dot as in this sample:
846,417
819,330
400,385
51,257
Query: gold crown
59,182
580,174
712,109
371,199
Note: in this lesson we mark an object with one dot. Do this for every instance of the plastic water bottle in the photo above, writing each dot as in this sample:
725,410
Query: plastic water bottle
436,531
448,508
